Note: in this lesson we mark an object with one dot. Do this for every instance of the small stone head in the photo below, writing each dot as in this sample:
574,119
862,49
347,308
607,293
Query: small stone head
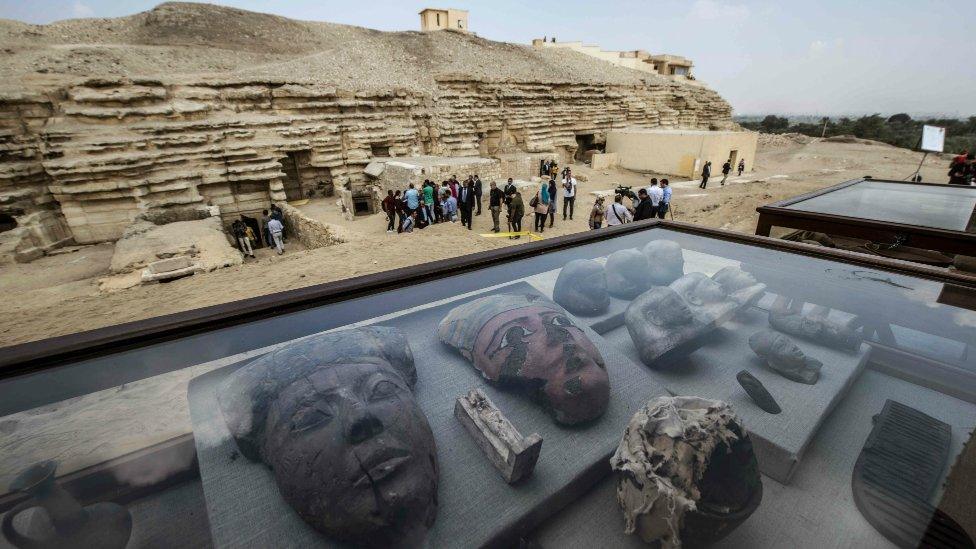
581,288
528,342
698,289
666,259
785,356
335,419
628,274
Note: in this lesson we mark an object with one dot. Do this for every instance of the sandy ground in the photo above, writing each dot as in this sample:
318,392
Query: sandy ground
59,294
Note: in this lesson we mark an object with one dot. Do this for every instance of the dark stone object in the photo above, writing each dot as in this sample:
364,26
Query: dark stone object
628,274
662,327
757,392
335,419
897,472
786,315
104,525
666,259
686,472
528,343
785,357
581,288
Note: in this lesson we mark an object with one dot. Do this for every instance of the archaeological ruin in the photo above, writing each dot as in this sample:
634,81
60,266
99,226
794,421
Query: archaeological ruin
93,138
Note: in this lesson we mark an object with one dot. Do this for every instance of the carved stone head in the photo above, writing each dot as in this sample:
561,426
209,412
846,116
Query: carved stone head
581,288
741,287
661,325
785,357
707,300
666,259
335,419
628,274
528,342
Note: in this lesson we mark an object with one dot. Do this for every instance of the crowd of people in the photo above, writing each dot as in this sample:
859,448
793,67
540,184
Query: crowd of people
271,229
455,201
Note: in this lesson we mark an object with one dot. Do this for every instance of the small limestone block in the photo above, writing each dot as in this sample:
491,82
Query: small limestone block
513,455
169,264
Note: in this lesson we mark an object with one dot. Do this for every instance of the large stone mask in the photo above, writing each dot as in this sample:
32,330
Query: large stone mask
334,418
666,260
528,342
581,288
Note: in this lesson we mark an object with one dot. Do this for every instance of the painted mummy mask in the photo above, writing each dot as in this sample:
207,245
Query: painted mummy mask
527,342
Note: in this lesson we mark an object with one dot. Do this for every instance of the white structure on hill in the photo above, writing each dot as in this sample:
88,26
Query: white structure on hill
671,66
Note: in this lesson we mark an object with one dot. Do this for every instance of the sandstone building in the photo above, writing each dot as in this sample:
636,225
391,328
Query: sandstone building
92,137
432,19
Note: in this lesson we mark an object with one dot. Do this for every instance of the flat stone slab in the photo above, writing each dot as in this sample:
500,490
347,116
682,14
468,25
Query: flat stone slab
148,274
476,506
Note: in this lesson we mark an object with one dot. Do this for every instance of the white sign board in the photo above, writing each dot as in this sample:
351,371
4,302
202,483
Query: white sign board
933,138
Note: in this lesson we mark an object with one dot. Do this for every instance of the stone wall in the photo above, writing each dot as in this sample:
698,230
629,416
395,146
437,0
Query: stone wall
312,233
99,152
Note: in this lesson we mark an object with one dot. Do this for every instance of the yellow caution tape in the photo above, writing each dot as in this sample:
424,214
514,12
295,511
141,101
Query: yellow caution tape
531,235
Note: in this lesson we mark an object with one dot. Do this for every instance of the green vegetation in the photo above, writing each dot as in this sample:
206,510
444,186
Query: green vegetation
898,129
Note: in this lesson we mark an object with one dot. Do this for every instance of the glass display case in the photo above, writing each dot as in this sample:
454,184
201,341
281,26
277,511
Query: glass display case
888,213
687,384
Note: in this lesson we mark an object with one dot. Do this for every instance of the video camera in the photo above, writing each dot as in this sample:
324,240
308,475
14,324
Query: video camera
625,191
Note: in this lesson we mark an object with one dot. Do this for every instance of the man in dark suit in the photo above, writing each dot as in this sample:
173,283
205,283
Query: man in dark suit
645,209
466,202
477,192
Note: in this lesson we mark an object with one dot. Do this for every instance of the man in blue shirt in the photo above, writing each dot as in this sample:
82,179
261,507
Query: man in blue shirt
665,203
450,207
412,199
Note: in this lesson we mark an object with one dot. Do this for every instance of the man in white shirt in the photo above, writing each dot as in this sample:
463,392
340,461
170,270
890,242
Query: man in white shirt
275,227
656,194
617,213
569,194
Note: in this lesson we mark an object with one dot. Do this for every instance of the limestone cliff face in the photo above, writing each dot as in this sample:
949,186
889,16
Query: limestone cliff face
102,151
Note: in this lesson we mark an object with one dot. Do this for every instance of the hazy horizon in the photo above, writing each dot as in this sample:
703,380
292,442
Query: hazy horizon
785,58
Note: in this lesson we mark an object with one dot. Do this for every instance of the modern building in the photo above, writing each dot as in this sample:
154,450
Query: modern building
671,66
680,152
433,19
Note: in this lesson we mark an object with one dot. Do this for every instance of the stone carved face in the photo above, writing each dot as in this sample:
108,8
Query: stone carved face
581,287
666,260
628,274
530,343
351,451
785,357
698,289
662,326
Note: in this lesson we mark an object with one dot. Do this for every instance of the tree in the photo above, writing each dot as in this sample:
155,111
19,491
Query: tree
900,118
774,124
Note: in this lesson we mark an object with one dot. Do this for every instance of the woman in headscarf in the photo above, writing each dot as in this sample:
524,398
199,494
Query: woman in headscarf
552,202
541,206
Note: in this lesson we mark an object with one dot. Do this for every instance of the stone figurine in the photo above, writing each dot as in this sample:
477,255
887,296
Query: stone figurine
628,274
104,525
662,326
686,472
786,315
581,288
528,343
707,300
666,259
784,356
334,417
741,287
757,392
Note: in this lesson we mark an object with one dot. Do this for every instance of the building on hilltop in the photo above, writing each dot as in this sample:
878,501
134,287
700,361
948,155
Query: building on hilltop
432,19
674,67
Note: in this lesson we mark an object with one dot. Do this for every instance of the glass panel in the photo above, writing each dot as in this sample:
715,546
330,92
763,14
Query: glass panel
159,430
949,208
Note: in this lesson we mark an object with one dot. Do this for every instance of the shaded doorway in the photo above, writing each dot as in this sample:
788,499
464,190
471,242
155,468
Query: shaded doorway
7,222
302,179
586,145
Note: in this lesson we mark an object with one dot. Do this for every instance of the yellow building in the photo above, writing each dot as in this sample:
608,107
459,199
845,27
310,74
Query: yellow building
674,67
432,19
681,152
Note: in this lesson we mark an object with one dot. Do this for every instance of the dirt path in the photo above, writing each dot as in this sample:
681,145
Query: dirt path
59,295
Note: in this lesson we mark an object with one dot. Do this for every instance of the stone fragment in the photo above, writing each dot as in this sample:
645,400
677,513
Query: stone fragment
706,299
757,391
784,357
786,315
741,287
169,269
512,454
581,288
686,472
628,274
662,326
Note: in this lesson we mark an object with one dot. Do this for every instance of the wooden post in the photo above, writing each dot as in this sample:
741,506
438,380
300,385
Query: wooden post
510,453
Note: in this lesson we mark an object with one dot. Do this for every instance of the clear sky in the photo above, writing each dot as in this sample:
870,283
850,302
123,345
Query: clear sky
787,56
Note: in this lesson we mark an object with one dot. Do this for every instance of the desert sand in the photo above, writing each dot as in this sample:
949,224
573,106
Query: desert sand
60,294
